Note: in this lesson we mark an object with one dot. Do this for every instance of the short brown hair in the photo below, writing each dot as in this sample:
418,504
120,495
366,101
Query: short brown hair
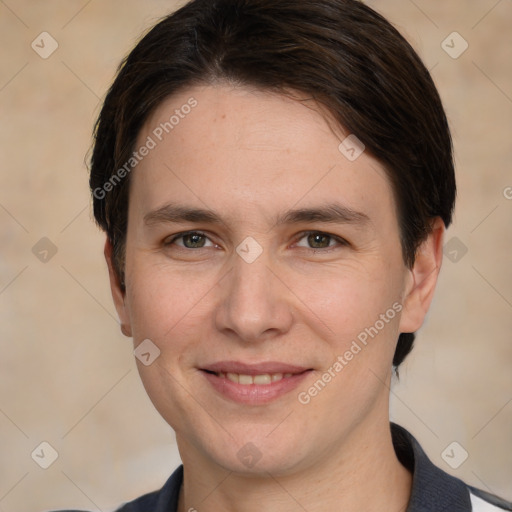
341,53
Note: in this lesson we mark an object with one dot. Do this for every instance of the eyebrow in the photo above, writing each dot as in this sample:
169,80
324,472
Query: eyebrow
331,213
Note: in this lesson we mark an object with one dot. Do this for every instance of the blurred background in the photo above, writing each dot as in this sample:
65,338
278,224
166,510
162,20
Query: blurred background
67,374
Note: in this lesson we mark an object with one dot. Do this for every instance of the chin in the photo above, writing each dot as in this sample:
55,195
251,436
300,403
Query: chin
259,456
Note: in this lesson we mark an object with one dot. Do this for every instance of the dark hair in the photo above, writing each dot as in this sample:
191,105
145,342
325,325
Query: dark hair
340,53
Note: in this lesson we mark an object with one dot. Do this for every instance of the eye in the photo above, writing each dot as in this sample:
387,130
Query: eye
318,240
190,240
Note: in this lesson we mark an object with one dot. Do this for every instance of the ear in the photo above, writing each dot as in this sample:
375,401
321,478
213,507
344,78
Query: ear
118,294
423,279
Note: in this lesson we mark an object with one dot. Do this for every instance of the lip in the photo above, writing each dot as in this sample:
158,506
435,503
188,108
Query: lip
253,368
254,394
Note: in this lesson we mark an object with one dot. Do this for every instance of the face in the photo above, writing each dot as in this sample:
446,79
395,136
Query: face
266,268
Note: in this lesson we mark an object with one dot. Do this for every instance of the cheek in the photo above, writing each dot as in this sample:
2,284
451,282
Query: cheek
168,308
163,302
350,301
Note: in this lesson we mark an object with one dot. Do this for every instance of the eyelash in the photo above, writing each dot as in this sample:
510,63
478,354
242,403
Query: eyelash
302,235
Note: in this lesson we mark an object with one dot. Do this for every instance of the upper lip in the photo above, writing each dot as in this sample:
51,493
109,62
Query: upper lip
253,368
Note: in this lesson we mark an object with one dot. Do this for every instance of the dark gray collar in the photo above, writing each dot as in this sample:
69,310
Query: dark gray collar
433,490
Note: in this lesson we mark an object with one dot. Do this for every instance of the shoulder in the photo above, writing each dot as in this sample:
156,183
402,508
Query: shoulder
482,501
164,500
433,488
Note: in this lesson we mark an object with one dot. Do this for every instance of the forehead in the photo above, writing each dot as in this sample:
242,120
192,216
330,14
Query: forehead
235,147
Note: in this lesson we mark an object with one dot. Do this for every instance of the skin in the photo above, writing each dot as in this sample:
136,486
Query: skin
250,155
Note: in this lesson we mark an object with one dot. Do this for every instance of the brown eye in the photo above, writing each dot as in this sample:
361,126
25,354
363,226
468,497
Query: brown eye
190,240
317,240
193,241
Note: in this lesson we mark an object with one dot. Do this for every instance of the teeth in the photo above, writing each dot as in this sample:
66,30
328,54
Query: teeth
245,379
261,379
265,378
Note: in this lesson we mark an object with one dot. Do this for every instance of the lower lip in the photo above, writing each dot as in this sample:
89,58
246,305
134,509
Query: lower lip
254,394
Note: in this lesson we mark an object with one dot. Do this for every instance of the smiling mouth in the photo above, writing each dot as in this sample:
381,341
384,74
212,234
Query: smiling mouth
247,380
254,384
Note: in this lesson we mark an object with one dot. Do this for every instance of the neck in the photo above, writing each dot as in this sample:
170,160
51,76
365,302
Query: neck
359,475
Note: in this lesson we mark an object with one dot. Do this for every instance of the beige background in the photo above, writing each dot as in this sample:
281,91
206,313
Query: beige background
67,375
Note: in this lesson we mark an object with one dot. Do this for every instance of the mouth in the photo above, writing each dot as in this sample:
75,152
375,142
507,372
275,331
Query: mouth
246,380
254,384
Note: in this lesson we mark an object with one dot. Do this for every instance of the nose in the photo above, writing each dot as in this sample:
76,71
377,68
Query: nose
256,302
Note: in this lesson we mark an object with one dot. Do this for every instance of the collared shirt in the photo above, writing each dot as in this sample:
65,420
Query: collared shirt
433,490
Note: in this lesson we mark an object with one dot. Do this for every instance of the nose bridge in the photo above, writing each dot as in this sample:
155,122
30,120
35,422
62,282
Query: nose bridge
253,302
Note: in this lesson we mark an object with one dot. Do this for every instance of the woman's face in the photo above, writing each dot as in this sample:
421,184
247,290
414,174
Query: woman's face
271,327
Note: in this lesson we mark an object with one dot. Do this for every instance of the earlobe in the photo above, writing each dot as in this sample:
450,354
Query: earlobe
419,293
118,292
